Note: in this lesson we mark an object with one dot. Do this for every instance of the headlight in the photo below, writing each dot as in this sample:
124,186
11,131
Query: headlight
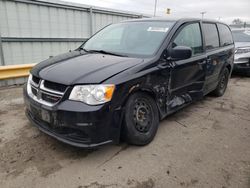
28,85
242,50
92,94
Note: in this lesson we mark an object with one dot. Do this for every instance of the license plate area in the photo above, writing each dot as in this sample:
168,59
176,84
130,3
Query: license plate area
45,116
40,114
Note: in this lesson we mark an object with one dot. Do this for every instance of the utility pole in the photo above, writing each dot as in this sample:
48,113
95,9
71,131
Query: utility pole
155,8
202,14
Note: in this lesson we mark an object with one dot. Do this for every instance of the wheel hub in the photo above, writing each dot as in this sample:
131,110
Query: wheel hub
223,81
142,116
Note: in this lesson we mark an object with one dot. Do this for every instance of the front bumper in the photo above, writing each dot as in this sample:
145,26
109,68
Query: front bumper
76,123
243,68
242,63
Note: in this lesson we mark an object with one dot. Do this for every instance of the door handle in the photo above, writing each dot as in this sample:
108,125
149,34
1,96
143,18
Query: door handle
163,65
202,62
209,60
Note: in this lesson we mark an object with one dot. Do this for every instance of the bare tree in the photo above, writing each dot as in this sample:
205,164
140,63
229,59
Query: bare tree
237,21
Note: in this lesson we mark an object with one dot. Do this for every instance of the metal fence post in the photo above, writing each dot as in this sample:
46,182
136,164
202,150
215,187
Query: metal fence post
2,62
91,20
1,52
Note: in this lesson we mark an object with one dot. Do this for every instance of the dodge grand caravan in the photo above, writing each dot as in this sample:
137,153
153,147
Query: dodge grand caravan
126,78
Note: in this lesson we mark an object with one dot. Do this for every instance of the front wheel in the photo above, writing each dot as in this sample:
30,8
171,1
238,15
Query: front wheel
141,119
222,85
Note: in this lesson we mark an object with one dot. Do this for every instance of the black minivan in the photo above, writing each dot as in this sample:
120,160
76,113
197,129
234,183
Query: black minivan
126,78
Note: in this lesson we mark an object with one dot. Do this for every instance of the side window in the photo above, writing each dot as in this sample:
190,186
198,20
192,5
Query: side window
225,35
211,36
190,36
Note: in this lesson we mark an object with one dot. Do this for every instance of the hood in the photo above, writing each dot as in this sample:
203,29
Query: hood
241,58
242,44
78,67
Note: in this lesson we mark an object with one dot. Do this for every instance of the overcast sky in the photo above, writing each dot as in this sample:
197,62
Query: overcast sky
225,10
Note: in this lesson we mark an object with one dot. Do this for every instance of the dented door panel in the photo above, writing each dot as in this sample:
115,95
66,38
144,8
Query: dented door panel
187,81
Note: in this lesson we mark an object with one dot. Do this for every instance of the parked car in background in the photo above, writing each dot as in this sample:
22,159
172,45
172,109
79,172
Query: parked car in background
242,51
126,78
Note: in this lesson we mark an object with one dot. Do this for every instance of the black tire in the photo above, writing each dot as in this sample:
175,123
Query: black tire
141,119
222,85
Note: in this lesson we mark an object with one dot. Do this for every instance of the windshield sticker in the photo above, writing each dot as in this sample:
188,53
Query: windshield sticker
158,29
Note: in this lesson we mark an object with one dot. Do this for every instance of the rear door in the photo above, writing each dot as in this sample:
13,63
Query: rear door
187,76
214,54
227,45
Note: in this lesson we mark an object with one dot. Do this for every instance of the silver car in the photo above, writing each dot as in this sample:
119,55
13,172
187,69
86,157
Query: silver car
242,51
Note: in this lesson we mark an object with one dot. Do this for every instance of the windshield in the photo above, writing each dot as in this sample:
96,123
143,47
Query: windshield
130,38
241,35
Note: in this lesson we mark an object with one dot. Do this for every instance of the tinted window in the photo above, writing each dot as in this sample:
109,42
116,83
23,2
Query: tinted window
211,36
190,36
225,35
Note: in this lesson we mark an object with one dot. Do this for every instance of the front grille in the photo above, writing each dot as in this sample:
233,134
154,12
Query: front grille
55,86
46,92
243,65
35,79
34,91
50,98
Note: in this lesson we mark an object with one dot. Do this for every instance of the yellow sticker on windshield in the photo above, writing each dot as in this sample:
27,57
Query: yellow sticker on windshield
158,29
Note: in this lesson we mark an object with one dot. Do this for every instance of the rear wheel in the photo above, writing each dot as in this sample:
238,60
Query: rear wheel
141,119
222,85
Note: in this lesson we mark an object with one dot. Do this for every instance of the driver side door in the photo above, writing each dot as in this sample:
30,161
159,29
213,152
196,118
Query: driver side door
187,76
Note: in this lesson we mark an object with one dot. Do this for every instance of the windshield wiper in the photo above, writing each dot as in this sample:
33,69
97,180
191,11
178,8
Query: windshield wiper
81,48
103,52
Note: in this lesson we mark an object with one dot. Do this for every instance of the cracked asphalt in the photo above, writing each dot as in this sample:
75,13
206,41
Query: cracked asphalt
207,144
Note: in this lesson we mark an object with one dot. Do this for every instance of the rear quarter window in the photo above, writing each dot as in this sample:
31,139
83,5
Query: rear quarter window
225,35
211,35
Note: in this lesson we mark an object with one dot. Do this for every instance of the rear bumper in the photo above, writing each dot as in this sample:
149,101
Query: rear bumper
76,123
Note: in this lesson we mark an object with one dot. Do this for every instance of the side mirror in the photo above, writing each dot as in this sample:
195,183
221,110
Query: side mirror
180,53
